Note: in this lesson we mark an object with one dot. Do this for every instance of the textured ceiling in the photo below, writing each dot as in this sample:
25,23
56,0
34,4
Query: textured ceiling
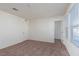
35,10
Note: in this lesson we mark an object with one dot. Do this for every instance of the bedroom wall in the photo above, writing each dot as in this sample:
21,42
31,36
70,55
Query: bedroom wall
42,29
13,29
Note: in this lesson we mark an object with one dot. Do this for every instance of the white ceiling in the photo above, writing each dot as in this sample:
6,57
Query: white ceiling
35,10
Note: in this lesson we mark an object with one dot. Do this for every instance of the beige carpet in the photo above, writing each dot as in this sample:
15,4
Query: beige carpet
35,48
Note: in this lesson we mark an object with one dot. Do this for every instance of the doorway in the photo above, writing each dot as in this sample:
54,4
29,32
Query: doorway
58,30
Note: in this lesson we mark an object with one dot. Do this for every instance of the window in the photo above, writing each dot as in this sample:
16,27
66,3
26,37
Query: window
67,18
74,23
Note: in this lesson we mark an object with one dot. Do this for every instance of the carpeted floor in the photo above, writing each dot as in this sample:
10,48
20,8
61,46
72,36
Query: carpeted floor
35,48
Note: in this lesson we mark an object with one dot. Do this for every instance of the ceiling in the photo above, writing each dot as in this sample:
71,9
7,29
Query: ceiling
35,10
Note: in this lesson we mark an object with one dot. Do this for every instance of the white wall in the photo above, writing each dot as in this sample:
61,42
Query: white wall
13,29
42,29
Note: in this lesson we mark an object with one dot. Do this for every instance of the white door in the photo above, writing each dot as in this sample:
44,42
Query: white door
58,30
